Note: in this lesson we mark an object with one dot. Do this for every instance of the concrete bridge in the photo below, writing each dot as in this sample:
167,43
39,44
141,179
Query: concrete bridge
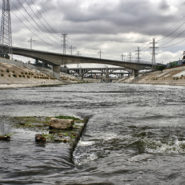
56,59
81,71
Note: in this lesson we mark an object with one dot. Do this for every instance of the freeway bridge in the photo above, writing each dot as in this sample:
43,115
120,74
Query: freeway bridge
57,59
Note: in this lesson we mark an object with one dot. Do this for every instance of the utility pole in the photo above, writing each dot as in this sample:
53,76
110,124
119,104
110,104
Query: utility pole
138,54
64,35
153,52
6,31
31,42
100,53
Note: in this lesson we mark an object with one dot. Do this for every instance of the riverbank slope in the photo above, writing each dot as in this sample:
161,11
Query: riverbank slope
14,74
173,76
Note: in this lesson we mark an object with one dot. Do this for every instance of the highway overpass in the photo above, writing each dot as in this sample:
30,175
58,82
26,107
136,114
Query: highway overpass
57,59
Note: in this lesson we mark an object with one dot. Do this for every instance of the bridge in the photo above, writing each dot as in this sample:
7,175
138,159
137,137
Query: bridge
81,71
57,59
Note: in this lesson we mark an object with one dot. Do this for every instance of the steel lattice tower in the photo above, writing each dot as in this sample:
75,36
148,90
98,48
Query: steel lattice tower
6,32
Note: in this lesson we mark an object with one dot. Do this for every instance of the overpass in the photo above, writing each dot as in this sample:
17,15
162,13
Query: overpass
81,71
57,59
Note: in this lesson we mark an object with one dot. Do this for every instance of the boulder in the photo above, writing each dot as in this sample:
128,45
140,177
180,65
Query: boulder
4,138
40,138
61,124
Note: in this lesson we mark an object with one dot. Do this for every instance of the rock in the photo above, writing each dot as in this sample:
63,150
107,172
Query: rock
61,124
4,138
40,138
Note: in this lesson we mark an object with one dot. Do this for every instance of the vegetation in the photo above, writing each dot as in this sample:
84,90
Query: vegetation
68,117
160,67
41,124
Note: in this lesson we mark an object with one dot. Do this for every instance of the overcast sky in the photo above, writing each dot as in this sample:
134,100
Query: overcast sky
113,26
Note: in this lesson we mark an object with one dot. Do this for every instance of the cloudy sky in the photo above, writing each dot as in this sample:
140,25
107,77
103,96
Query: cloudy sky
115,27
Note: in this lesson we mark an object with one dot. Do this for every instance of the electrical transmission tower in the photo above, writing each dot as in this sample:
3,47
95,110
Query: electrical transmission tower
100,53
123,57
64,43
130,56
153,52
6,31
72,48
138,54
31,42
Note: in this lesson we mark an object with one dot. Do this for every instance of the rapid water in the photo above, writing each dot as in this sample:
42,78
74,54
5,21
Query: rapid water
135,136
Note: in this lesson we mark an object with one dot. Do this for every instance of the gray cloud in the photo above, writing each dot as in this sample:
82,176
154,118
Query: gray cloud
94,23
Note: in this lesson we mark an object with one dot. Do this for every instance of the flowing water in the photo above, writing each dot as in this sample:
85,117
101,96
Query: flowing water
135,136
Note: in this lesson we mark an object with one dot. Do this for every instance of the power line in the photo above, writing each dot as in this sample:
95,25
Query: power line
173,39
28,27
42,22
49,26
172,32
22,21
35,21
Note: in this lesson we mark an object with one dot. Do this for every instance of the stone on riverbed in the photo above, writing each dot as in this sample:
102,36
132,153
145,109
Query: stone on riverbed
4,138
40,138
61,124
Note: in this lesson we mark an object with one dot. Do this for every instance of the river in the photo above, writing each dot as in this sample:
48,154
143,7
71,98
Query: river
135,136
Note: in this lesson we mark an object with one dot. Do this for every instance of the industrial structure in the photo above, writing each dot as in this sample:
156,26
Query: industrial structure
6,31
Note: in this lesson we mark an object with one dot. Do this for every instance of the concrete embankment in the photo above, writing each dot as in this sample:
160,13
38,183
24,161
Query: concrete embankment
173,76
15,74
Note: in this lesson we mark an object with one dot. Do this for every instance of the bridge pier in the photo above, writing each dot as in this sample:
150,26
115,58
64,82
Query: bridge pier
56,71
135,73
107,78
81,74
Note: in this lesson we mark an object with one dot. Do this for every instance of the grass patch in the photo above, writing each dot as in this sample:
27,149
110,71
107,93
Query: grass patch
32,122
68,117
